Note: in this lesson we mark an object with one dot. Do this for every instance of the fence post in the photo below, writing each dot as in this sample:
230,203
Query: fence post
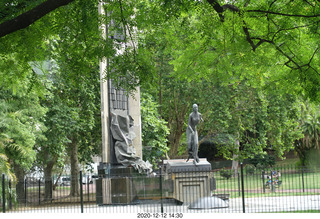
88,183
25,192
263,183
302,179
242,188
39,191
3,194
239,183
160,178
9,196
81,192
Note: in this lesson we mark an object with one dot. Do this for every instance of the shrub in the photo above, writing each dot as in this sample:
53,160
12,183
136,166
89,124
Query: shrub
250,169
263,161
226,173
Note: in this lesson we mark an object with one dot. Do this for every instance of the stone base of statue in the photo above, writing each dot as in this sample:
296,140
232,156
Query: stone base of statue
190,181
115,185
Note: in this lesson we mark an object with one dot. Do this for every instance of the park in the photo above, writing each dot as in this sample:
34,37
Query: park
155,107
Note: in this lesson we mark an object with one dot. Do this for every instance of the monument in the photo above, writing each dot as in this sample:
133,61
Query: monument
192,134
192,179
121,140
122,147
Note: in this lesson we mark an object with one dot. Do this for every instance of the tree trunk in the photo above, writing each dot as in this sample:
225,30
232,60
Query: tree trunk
174,141
176,129
74,189
48,180
235,162
20,173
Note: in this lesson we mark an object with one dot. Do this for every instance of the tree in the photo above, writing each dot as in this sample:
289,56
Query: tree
74,101
229,82
26,18
285,30
154,131
309,124
79,77
242,51
20,128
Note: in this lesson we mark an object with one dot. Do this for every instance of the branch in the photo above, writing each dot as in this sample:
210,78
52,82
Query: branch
292,28
283,14
26,19
218,8
313,55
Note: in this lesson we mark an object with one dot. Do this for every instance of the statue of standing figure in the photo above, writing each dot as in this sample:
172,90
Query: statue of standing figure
192,134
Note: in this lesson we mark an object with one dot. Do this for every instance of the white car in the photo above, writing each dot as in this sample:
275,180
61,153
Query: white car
87,180
64,181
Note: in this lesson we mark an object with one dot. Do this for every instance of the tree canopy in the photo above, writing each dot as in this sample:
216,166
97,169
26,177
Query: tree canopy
248,65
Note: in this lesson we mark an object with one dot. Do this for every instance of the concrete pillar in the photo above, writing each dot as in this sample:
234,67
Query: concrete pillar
134,112
104,101
104,114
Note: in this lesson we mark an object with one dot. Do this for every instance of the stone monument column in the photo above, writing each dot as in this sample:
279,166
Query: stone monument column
105,157
134,112
116,99
121,155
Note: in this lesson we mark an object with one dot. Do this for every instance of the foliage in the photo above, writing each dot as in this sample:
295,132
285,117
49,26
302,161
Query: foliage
199,60
244,63
71,37
20,128
226,173
262,161
309,123
154,131
208,149
250,169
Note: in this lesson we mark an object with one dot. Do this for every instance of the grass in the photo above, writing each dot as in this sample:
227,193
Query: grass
287,162
294,182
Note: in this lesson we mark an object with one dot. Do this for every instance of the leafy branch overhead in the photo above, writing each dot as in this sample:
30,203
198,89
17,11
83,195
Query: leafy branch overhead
245,62
29,17
290,27
273,15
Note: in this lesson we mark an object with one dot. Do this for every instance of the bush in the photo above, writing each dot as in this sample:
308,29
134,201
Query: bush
226,173
263,161
154,131
250,169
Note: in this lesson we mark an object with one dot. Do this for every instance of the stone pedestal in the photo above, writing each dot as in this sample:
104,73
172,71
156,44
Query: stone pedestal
115,185
190,181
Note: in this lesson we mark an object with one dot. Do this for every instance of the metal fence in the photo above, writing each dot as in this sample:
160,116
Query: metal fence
251,190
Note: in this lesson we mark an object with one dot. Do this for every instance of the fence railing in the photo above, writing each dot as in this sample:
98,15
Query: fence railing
279,189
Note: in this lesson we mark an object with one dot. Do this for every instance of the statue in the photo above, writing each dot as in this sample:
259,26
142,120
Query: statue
123,135
192,134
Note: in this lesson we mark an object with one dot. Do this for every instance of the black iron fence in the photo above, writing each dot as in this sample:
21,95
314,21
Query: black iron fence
279,189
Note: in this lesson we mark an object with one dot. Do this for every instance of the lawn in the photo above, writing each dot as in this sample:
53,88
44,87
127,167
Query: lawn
294,181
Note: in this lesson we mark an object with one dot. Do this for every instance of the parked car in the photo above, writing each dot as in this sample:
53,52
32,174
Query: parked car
64,181
89,179
86,180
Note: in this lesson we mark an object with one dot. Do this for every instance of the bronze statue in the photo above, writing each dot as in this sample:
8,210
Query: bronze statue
192,134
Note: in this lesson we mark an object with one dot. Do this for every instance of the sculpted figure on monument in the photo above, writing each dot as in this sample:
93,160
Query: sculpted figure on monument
121,129
192,134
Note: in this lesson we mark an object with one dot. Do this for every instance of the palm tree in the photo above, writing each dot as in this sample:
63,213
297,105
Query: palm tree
311,130
310,126
4,162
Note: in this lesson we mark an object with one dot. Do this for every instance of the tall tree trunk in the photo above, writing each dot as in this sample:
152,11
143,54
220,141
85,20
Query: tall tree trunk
20,173
174,140
48,179
176,128
74,189
235,162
